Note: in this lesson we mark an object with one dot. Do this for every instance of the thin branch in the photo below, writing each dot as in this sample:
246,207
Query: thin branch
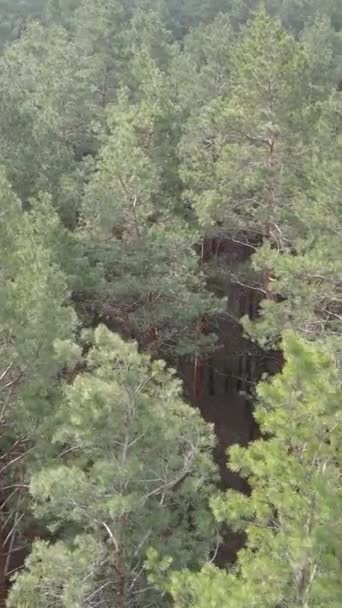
111,535
5,372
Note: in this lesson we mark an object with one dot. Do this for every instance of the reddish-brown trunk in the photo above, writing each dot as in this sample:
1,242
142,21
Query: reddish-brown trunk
199,363
198,378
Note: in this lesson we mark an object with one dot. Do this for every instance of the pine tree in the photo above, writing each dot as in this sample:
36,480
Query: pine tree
133,227
324,49
98,27
132,468
306,272
33,318
49,115
201,68
243,154
260,162
292,516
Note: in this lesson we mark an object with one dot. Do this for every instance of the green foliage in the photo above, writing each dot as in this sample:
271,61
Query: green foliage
60,570
324,49
132,469
16,15
294,14
98,31
48,115
33,313
132,227
201,70
306,272
291,518
242,155
261,159
131,130
33,316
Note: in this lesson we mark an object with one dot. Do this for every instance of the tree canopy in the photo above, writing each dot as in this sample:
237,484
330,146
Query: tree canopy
170,178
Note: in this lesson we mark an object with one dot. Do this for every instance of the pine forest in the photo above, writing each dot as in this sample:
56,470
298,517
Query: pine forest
170,303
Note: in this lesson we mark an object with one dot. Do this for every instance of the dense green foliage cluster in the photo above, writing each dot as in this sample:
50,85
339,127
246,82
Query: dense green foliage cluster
130,132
